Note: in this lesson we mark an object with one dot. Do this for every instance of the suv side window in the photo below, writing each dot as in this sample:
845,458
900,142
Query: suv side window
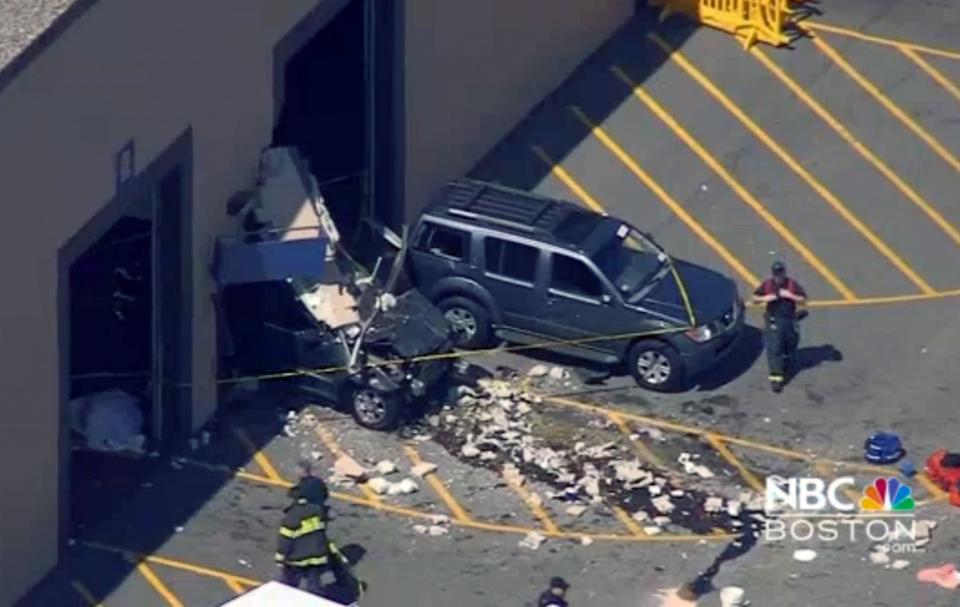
445,242
510,259
571,276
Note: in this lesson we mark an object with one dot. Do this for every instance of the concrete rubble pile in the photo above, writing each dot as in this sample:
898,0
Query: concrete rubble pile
493,426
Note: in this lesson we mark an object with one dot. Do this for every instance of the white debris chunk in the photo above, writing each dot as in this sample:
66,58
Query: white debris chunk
631,472
315,455
487,456
423,469
713,504
899,564
804,555
512,475
733,596
585,540
654,490
421,529
653,433
652,530
385,467
576,510
661,520
434,421
677,493
347,466
538,371
379,485
533,541
404,487
702,471
879,558
469,450
733,508
559,373
440,519
640,516
437,530
663,504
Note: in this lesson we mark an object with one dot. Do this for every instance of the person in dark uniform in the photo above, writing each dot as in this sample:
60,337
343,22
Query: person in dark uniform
555,595
309,484
782,295
303,549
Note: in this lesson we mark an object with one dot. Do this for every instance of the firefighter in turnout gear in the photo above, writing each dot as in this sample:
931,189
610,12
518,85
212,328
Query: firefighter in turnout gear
303,550
782,295
555,595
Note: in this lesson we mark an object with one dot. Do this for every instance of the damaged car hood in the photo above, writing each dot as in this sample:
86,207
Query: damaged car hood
412,327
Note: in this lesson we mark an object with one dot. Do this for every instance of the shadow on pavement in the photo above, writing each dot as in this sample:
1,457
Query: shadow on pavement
744,354
813,356
138,505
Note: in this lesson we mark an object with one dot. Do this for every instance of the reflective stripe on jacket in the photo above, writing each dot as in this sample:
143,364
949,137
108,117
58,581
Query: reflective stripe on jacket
302,538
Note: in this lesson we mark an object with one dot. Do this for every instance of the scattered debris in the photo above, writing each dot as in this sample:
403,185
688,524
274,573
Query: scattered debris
440,519
315,455
532,540
586,540
652,530
538,371
576,510
347,466
421,529
469,451
404,487
640,516
423,469
879,557
900,564
804,555
245,563
512,475
385,467
379,485
733,596
713,504
559,373
437,530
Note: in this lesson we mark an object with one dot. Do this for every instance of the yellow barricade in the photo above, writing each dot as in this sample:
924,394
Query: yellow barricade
751,20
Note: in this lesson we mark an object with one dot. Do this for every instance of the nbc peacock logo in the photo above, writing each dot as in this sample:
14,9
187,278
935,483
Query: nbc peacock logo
887,495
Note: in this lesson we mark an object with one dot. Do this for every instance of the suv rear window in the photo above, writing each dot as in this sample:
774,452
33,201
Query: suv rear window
441,240
510,259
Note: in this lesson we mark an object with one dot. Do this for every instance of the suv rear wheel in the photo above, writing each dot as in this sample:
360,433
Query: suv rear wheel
470,320
655,365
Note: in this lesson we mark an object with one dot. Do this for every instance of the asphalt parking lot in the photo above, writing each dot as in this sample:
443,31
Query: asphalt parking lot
841,157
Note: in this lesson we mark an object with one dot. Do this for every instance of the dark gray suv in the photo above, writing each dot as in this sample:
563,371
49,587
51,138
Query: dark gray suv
526,269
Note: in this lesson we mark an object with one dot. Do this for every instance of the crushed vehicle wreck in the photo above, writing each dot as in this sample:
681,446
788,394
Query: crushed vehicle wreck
292,312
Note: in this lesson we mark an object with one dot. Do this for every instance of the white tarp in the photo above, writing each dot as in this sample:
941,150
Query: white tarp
109,421
275,594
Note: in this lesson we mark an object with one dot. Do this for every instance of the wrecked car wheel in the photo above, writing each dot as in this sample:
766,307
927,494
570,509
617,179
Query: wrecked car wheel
374,410
470,321
655,366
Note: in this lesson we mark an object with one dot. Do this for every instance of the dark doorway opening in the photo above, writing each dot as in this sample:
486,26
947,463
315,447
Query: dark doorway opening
323,111
127,361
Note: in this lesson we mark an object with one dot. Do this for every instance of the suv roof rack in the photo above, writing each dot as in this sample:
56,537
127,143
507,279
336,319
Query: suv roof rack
503,206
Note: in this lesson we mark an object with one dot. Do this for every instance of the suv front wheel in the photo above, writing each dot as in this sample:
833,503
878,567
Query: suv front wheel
655,365
470,320
375,410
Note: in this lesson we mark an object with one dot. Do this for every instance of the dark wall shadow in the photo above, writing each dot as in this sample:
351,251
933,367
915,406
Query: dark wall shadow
594,89
743,356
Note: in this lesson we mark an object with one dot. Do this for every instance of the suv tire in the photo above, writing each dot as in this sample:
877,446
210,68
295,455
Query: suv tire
373,409
655,365
470,319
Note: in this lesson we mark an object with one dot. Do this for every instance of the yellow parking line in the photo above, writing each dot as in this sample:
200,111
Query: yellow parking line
717,443
929,50
744,194
538,510
628,521
234,585
931,71
858,145
328,440
874,91
791,162
86,594
664,197
258,455
157,584
560,173
641,448
889,299
459,513
930,486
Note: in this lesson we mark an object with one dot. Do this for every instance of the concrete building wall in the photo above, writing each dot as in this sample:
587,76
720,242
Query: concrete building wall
475,69
126,69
